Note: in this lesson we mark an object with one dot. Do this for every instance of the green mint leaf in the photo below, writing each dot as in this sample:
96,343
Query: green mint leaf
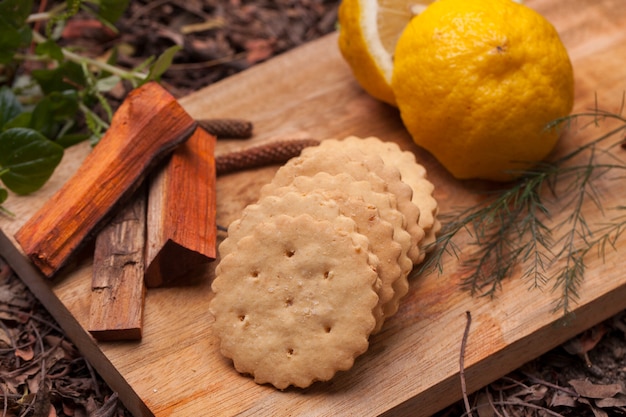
4,194
106,84
21,120
27,159
52,111
10,106
50,48
42,119
11,40
14,33
62,105
16,11
162,63
67,76
72,139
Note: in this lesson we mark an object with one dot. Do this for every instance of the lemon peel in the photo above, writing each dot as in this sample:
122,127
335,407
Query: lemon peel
368,32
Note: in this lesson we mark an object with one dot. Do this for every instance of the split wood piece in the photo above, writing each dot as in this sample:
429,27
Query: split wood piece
181,227
117,286
147,126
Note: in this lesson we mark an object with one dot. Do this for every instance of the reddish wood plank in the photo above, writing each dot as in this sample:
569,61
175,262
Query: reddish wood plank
145,128
181,228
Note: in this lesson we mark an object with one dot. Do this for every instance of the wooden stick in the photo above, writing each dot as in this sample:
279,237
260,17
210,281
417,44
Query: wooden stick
181,214
468,409
117,286
147,126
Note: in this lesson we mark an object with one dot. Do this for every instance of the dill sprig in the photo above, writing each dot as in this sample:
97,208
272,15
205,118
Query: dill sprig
514,227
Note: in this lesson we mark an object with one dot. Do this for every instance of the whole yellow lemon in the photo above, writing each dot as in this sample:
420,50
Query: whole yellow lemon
477,83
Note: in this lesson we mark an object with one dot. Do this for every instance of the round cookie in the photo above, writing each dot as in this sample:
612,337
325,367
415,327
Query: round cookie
270,206
412,174
321,206
300,309
356,199
335,157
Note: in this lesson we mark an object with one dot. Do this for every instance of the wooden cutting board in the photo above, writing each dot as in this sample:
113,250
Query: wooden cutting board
412,366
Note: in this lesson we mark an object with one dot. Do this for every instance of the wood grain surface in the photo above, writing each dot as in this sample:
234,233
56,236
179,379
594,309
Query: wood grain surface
180,220
117,284
412,366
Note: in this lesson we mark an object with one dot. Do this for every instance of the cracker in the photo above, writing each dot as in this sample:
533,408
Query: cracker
377,218
270,206
335,157
321,206
300,309
412,174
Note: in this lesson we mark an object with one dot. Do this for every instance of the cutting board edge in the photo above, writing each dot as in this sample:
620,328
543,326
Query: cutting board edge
41,289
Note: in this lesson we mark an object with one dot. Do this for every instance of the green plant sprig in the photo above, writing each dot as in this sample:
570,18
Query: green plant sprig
39,108
514,227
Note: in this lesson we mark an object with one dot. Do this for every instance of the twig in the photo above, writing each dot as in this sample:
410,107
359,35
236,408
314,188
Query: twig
514,383
65,371
518,404
32,316
94,379
491,403
506,413
529,405
43,353
109,408
550,385
462,364
76,58
5,397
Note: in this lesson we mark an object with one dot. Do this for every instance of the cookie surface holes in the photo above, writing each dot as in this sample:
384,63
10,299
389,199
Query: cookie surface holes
290,352
328,328
242,317
288,302
327,274
289,253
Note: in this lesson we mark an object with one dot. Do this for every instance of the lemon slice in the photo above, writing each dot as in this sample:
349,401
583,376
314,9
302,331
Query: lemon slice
368,33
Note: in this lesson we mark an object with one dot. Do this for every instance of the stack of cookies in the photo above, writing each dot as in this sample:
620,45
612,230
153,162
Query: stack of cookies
319,263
